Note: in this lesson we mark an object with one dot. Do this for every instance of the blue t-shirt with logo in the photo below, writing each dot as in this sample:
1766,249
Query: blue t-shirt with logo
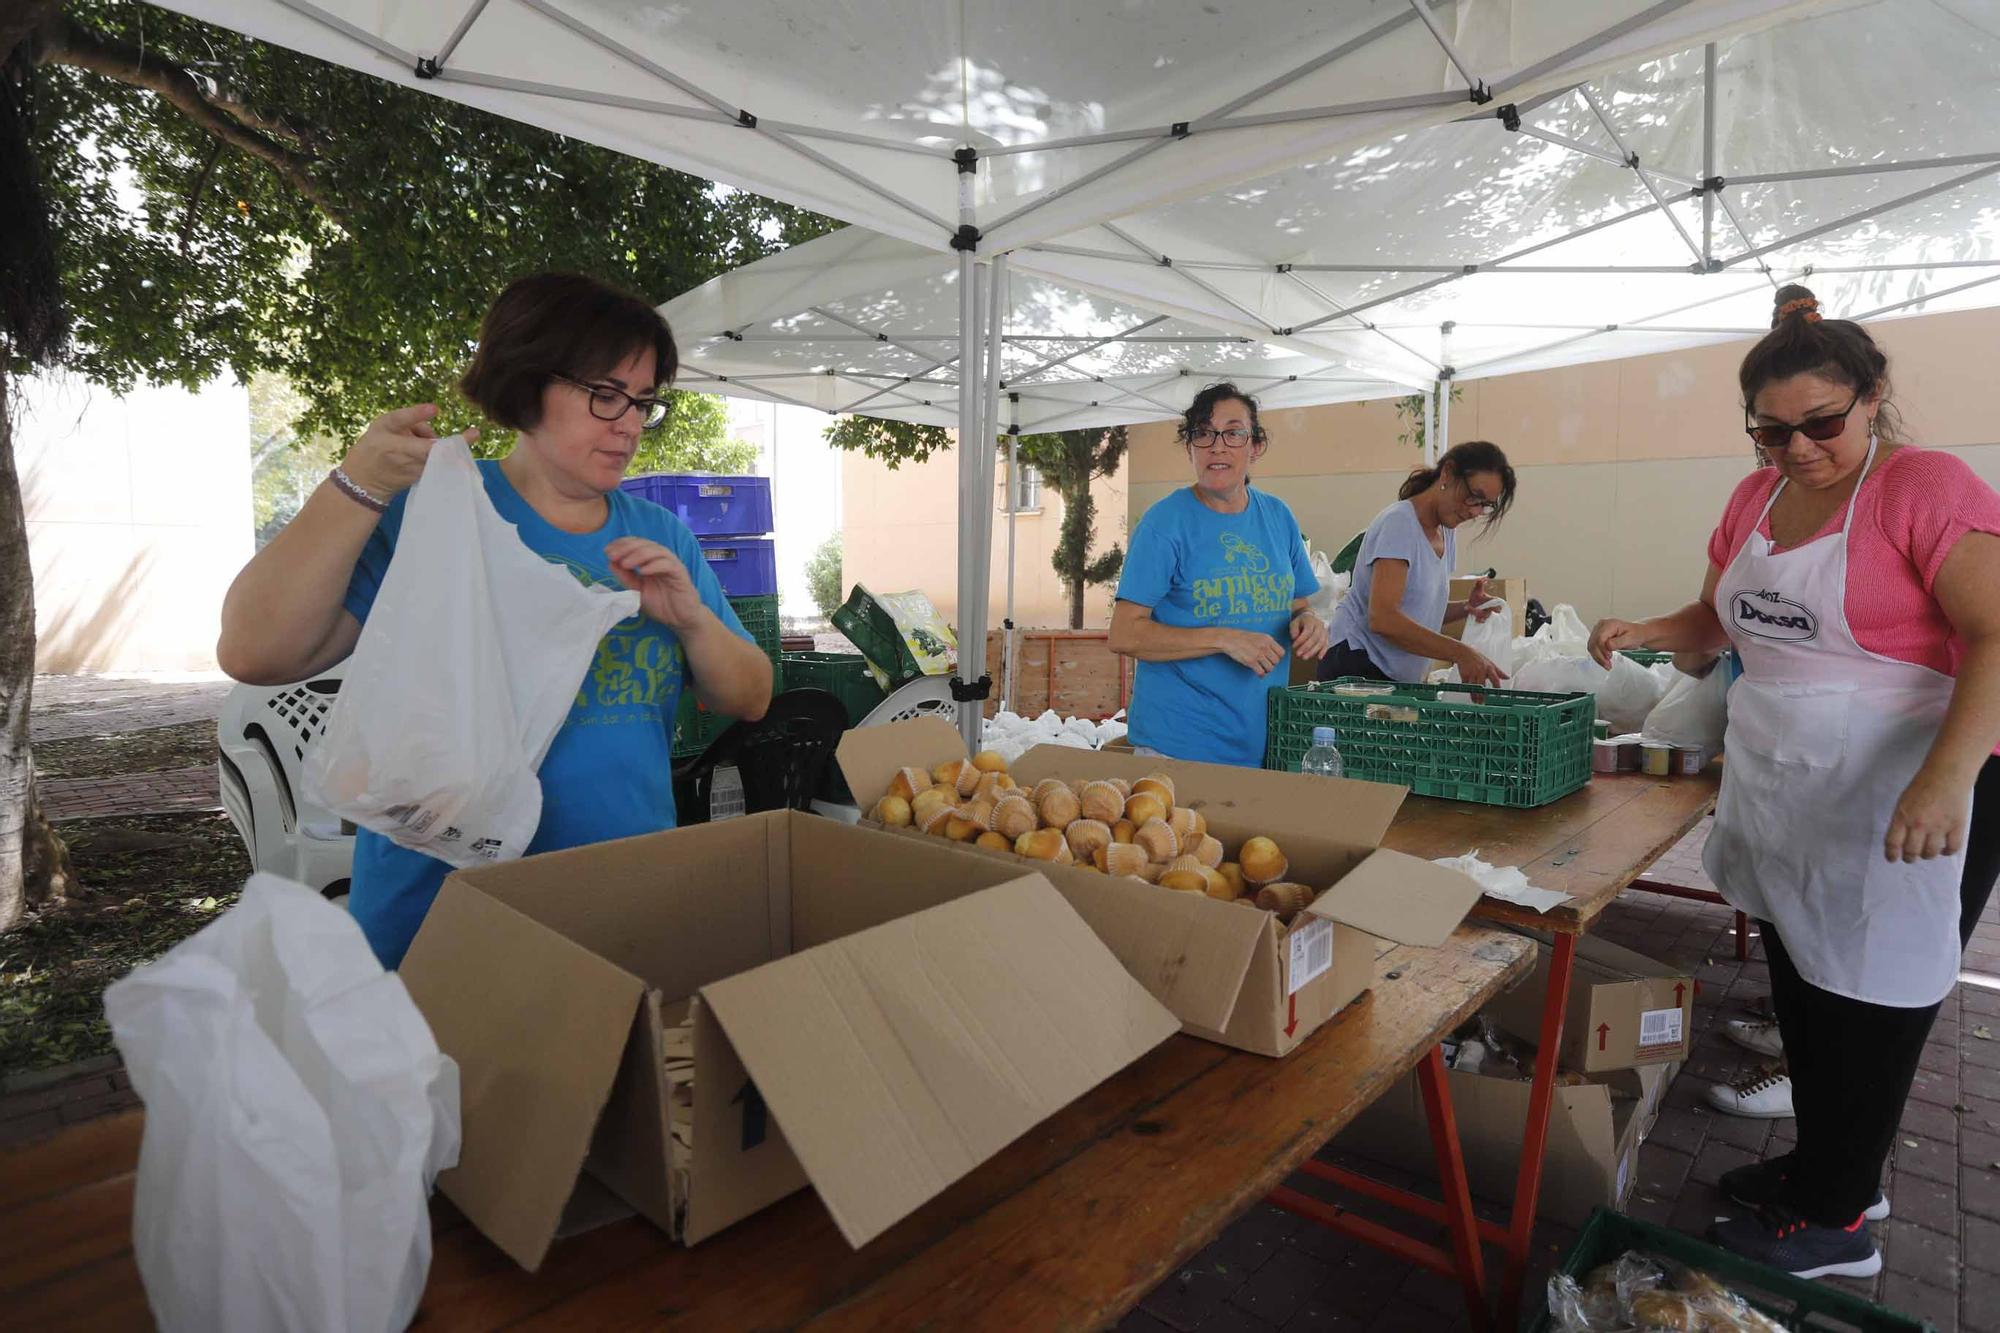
609,772
1196,568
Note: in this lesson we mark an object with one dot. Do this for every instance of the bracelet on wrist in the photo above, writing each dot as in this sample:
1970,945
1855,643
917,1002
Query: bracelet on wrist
354,491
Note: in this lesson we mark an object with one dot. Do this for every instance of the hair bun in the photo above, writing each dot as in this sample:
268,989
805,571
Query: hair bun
1793,299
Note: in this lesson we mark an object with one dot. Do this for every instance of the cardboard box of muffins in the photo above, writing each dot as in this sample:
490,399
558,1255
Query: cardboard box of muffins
1251,904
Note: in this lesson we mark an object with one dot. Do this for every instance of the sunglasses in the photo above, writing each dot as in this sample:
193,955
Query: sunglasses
1776,436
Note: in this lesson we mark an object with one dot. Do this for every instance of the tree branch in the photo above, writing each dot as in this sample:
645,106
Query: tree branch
63,41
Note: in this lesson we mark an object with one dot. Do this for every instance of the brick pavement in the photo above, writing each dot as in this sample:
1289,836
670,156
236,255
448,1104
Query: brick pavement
133,794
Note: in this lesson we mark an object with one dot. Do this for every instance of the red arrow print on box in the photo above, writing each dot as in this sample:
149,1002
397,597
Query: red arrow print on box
1603,1031
1680,989
1291,1014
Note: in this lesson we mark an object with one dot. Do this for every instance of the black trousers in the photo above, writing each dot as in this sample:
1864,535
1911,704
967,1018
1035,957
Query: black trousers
1344,659
1852,1062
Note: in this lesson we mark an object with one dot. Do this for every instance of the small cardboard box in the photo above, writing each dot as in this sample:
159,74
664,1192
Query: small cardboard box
872,1019
1595,1129
1230,973
1624,1011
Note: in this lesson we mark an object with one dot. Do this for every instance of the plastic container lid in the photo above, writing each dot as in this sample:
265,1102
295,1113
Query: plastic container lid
1323,736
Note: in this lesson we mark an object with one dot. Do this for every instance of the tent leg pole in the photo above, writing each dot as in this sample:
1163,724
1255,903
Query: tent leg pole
971,626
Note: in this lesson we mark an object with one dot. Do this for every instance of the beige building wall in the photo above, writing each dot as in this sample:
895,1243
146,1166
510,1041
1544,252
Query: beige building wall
1624,465
139,515
899,530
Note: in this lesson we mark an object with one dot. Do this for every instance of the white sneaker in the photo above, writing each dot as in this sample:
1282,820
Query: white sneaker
1760,1097
1756,1034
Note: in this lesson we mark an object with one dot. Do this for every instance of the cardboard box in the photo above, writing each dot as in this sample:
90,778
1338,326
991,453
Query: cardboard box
871,1018
1595,1130
1230,973
1625,1010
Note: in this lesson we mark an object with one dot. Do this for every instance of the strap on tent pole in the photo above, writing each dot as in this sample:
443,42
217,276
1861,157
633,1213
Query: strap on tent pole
1431,422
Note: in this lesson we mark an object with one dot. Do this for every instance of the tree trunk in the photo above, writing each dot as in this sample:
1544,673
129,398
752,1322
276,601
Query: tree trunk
34,862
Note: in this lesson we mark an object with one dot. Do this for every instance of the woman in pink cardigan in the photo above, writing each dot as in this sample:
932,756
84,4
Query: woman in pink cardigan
1859,818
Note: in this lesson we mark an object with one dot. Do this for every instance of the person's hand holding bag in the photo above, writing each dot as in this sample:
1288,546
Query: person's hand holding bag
391,453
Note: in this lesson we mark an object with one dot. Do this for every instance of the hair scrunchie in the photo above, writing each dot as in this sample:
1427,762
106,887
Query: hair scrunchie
1806,304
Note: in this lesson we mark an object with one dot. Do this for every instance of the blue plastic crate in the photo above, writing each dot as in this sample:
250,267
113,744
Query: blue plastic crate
745,566
711,506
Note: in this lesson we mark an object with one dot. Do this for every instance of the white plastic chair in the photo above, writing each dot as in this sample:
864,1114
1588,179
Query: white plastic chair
263,735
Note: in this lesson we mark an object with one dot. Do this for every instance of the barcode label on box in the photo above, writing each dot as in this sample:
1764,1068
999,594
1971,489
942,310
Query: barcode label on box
710,490
725,795
1312,954
1660,1027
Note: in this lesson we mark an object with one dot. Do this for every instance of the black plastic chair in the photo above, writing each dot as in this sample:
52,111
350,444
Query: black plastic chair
782,758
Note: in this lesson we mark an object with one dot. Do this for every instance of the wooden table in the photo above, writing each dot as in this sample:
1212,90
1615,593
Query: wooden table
1067,1228
1592,845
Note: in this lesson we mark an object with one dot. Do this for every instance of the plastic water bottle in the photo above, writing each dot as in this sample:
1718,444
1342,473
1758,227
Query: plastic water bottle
1323,760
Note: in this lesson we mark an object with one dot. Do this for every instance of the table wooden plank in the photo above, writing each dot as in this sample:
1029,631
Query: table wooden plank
1065,1228
1590,844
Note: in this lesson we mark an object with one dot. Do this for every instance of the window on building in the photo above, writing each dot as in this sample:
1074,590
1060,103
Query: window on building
1027,490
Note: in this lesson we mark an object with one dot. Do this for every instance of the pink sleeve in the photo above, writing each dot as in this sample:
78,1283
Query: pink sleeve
1929,500
1739,516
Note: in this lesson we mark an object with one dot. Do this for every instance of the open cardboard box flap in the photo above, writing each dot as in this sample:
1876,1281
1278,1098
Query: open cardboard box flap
1400,897
545,1049
897,1059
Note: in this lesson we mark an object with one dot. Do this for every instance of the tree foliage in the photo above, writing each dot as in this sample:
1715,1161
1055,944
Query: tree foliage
223,205
824,576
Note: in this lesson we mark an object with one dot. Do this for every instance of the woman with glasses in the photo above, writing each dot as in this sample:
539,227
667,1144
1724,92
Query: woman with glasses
1389,626
1212,600
575,367
1859,818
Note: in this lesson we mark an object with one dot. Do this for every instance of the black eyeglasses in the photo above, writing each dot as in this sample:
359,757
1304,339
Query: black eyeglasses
1237,438
608,403
1775,437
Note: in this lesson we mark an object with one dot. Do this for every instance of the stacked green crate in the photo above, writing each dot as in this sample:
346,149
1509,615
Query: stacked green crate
695,728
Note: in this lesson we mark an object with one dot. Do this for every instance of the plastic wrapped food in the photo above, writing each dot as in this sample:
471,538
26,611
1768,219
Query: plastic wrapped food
1639,1293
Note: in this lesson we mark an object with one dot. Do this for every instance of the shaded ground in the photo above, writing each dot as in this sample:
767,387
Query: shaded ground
149,882
154,750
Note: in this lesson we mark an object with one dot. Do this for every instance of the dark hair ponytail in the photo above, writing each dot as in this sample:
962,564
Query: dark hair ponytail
1460,459
1802,343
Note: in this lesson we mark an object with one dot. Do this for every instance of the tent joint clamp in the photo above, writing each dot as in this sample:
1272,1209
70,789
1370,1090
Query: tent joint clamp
746,120
1510,116
965,238
968,692
1481,94
428,67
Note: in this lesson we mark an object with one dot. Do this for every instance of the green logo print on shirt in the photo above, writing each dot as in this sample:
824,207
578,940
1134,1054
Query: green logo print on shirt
1243,586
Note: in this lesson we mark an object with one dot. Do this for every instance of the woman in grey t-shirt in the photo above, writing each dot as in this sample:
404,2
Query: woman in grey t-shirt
1387,627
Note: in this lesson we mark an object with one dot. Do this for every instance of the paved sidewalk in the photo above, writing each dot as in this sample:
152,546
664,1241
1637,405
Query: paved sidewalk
135,794
67,706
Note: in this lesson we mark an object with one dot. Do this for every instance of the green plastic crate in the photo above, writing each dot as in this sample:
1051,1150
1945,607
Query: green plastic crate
1513,748
843,675
760,616
694,726
1809,1307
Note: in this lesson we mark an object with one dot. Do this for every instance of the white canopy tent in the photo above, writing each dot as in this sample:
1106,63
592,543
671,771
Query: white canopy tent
1313,174
988,125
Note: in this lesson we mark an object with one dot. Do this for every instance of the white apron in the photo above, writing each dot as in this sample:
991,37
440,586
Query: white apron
1823,737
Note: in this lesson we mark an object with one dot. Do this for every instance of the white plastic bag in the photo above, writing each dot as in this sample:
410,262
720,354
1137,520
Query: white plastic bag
465,670
1560,675
1493,636
1694,714
297,1112
1627,694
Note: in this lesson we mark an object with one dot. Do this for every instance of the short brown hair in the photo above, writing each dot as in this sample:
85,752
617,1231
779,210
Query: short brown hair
549,324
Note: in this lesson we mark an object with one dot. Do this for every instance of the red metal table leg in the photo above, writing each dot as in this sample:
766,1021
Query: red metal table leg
1742,937
1463,1225
1528,1183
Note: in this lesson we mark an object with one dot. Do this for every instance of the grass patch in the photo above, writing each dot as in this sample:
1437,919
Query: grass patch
153,750
150,881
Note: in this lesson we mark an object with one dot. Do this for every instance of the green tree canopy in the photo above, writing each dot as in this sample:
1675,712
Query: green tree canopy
221,204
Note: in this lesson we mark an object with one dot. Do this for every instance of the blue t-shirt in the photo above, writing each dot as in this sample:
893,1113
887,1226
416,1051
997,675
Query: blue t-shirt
1396,534
609,772
1196,568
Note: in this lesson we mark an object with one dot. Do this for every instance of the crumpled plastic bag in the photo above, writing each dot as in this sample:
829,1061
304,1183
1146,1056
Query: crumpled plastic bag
1559,675
1493,637
1628,693
1332,587
464,673
297,1112
1693,714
